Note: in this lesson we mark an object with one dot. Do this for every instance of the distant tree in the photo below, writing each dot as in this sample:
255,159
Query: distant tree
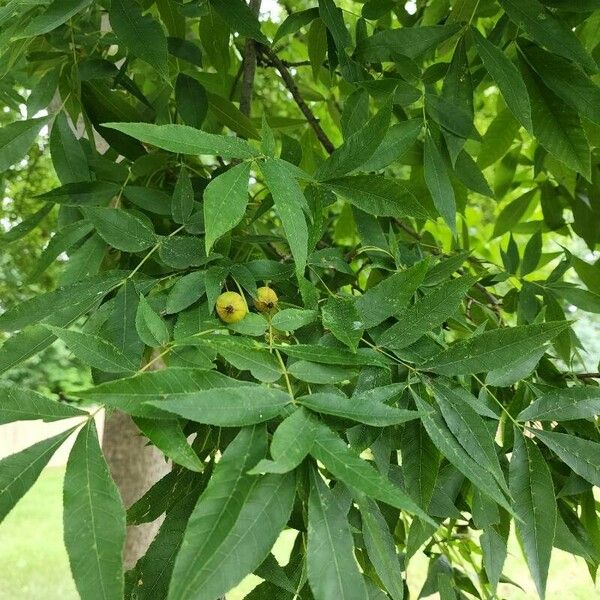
333,247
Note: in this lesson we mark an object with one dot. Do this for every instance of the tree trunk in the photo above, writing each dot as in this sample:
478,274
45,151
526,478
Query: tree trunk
135,467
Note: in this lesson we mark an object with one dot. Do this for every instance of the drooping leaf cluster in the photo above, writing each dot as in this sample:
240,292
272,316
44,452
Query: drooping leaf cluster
400,181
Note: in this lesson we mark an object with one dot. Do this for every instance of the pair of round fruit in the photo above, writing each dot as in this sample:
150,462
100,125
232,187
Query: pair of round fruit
232,308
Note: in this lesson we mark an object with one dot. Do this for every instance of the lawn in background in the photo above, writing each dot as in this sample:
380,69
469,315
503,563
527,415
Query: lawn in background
34,564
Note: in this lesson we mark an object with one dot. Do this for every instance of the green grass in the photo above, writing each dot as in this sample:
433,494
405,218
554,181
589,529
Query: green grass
34,564
32,553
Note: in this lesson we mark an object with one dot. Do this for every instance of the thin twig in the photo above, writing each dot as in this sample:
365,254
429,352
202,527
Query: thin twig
586,375
293,88
249,66
291,63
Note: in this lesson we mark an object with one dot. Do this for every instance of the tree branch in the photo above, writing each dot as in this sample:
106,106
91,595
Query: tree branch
249,68
587,375
293,88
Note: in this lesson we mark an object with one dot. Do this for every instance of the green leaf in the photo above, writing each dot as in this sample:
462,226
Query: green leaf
452,117
322,374
534,503
81,294
381,549
149,325
486,351
182,203
498,138
316,40
290,319
355,113
228,114
438,182
332,568
33,340
18,472
62,241
292,441
150,577
449,446
191,100
289,202
94,520
186,140
158,498
420,462
345,464
85,261
342,318
548,30
252,325
22,228
397,141
427,313
532,254
274,575
228,407
263,516
119,327
267,138
566,80
581,455
218,508
240,17
245,354
493,546
295,22
512,213
68,158
329,355
412,42
231,522
516,370
469,429
583,299
358,408
121,229
215,34
185,292
21,404
182,251
333,17
564,404
59,12
16,139
169,438
507,76
358,148
185,50
148,199
378,196
225,201
94,351
82,193
390,297
440,271
131,395
556,126
469,174
141,34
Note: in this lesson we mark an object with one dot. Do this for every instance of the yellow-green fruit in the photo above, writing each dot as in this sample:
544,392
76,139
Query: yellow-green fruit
266,300
231,307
